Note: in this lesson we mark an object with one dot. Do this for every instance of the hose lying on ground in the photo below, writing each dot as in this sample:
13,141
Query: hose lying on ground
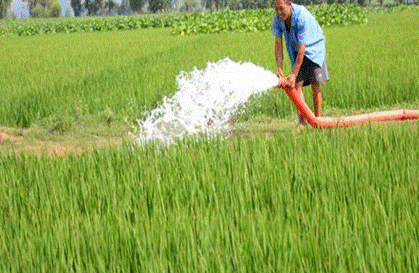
345,121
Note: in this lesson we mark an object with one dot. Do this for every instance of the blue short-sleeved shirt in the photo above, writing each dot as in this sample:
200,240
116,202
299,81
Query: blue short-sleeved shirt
304,30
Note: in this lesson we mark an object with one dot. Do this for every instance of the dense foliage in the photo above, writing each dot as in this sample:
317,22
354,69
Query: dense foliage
259,20
4,7
331,15
224,20
206,22
44,8
89,24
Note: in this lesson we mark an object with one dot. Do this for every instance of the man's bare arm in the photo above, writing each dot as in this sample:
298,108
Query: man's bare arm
298,62
299,59
279,55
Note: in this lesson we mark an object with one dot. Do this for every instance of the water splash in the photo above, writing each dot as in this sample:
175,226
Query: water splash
205,100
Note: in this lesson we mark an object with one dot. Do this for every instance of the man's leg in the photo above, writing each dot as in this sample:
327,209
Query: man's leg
317,99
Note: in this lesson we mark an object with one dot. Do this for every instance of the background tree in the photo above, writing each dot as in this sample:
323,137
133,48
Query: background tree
190,6
155,5
110,7
77,7
234,4
167,5
44,8
4,7
124,8
213,4
257,4
94,7
159,5
136,5
68,12
32,4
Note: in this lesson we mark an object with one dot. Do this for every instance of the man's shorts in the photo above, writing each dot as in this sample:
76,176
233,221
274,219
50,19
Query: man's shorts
311,72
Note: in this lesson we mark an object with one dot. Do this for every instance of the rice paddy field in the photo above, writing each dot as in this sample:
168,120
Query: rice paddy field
268,200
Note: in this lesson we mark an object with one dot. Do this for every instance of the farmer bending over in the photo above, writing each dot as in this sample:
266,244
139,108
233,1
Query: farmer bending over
306,47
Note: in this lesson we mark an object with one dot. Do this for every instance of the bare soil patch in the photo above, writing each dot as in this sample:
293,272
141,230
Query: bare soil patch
39,141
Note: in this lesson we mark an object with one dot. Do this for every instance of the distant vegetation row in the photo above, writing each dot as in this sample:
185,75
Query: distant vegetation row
209,22
188,23
259,20
85,24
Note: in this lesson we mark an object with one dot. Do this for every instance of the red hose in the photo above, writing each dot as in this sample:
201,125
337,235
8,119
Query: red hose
345,121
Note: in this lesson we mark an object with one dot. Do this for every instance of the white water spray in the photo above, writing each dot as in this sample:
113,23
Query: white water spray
205,100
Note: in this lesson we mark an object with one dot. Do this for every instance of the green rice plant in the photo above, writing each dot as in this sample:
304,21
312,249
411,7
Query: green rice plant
127,72
375,69
323,200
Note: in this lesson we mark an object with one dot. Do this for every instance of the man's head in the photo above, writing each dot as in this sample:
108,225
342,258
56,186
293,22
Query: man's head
283,9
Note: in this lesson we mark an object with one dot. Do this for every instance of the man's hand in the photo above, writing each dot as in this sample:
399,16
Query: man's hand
290,80
281,78
280,73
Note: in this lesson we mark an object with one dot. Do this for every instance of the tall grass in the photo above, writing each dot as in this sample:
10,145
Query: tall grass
325,200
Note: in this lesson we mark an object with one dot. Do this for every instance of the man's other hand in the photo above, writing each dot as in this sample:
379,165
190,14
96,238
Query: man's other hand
290,80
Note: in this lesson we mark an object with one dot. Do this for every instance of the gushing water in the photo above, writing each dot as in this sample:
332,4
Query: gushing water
205,100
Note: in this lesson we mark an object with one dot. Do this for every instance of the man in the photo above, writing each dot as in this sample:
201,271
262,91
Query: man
306,48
